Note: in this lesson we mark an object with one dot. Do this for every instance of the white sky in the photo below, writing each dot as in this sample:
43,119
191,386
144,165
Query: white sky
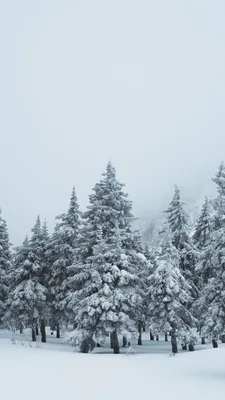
140,82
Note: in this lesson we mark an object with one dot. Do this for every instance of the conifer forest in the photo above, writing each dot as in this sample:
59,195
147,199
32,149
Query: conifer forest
96,277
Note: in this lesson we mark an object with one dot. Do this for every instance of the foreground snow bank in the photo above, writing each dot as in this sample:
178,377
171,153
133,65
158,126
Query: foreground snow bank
30,372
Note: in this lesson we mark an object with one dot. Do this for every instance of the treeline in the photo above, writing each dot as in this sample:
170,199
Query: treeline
95,274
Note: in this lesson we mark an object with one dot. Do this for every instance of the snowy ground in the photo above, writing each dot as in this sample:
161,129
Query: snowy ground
148,347
34,373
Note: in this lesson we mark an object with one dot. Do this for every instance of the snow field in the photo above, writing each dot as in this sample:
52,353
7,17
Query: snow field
34,373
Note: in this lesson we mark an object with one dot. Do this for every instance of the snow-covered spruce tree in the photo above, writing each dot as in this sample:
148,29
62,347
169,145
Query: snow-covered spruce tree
145,269
169,294
108,300
142,262
39,281
203,239
60,254
213,295
27,301
44,279
109,208
17,311
201,236
205,270
5,266
109,212
188,253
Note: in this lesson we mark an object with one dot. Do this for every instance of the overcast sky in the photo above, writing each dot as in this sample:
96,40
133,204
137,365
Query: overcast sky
140,82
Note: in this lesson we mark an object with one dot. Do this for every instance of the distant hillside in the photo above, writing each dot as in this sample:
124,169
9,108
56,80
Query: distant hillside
150,226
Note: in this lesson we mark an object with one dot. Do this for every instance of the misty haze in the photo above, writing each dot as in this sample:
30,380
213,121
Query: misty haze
112,201
139,83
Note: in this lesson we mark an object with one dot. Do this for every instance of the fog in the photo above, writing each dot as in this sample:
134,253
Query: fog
139,82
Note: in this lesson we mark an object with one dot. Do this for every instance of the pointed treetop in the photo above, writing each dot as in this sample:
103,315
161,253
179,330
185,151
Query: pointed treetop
73,202
72,217
110,170
219,179
36,231
44,230
37,226
109,205
26,241
177,216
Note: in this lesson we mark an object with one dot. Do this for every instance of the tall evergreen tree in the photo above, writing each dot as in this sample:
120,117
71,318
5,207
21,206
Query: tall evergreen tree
178,224
107,301
169,295
204,240
203,227
109,208
44,279
113,251
17,310
60,254
213,294
5,265
27,300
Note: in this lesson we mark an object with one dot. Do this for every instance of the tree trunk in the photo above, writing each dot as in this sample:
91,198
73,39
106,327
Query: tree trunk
203,340
166,337
191,347
115,342
157,338
87,345
33,334
151,336
21,328
57,331
174,342
111,340
139,334
37,331
215,343
124,341
223,338
43,332
144,329
184,346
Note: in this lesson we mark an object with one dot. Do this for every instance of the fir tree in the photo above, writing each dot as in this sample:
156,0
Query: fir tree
16,316
5,265
203,225
169,295
203,240
108,300
45,233
60,254
27,301
188,254
110,213
109,207
44,279
213,295
219,180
